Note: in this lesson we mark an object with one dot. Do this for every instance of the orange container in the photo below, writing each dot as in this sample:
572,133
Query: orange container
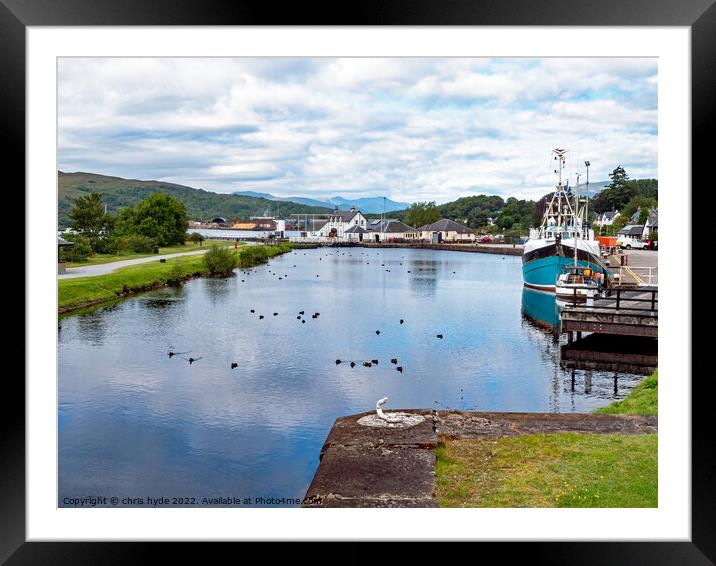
607,241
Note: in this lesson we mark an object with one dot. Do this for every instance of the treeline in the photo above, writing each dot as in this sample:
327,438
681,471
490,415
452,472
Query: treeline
158,220
485,213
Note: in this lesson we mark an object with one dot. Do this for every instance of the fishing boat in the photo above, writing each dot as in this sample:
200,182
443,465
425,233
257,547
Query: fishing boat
577,285
564,237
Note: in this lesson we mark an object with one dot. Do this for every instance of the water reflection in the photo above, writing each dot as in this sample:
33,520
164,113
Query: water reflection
540,308
133,421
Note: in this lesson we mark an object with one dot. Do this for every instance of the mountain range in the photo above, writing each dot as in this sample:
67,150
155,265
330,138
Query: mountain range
369,205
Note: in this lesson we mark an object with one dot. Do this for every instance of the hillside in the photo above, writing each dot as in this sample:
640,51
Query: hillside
118,193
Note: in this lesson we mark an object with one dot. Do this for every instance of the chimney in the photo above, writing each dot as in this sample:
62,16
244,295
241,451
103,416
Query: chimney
353,208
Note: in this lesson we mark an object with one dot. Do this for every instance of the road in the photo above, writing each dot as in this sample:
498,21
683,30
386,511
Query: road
104,268
640,265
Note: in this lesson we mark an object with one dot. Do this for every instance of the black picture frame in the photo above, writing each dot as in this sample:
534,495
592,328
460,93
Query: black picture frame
17,15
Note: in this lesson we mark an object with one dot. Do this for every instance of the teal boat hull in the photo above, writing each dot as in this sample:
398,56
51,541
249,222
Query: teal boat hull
542,267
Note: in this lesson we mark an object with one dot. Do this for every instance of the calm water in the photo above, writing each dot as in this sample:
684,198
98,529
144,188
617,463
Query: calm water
135,423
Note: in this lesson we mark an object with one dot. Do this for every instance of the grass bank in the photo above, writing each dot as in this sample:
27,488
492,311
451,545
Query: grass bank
549,470
556,470
86,291
642,400
98,259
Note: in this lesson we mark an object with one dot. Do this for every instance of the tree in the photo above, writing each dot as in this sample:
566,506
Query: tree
88,218
421,213
619,177
158,216
196,238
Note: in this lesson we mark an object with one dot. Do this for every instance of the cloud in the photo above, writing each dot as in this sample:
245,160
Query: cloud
410,129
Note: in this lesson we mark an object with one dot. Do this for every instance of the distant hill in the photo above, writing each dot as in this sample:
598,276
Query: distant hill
118,193
368,205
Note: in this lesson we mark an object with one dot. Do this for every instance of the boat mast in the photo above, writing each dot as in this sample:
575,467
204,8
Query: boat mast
559,155
577,230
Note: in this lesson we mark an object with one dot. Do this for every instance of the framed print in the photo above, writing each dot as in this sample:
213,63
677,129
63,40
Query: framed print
212,177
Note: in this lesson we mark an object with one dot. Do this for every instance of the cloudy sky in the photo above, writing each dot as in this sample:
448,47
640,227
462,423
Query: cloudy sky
409,129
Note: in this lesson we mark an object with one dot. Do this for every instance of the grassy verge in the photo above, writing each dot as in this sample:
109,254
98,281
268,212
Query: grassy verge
642,400
549,470
83,291
98,259
556,470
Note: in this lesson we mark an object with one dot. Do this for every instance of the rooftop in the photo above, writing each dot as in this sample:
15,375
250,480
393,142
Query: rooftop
445,225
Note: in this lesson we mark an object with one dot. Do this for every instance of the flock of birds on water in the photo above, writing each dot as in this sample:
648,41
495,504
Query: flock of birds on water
301,316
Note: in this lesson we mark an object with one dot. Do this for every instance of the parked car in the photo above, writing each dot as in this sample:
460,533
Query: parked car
484,240
628,243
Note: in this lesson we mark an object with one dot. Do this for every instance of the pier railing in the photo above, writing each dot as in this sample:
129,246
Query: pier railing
642,276
639,300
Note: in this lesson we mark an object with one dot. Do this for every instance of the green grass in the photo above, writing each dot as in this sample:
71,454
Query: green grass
135,278
549,470
556,470
642,400
98,259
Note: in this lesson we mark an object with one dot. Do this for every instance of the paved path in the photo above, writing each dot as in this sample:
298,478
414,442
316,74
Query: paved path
642,267
104,268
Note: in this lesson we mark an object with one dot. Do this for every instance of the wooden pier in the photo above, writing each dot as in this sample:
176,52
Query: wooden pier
624,312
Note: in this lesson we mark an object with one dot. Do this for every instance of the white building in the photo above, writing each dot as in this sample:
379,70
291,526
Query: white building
445,230
391,230
340,221
606,218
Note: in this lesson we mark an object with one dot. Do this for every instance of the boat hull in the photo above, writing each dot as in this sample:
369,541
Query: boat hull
543,264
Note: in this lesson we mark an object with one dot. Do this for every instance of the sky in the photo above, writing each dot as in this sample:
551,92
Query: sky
410,129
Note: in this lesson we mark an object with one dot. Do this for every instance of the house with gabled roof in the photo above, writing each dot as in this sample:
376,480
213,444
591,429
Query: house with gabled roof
632,230
606,218
446,230
391,230
339,221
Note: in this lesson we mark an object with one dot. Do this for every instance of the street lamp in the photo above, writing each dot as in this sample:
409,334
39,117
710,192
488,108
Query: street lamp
586,211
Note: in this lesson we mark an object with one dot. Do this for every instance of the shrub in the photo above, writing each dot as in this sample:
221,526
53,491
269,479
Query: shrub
131,243
176,273
253,255
196,238
79,251
219,261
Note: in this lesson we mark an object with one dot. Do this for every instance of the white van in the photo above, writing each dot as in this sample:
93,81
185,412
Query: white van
628,243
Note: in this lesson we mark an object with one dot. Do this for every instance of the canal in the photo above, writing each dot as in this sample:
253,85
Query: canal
134,422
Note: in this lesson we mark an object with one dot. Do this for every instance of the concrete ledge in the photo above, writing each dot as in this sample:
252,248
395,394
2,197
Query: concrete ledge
478,425
368,466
